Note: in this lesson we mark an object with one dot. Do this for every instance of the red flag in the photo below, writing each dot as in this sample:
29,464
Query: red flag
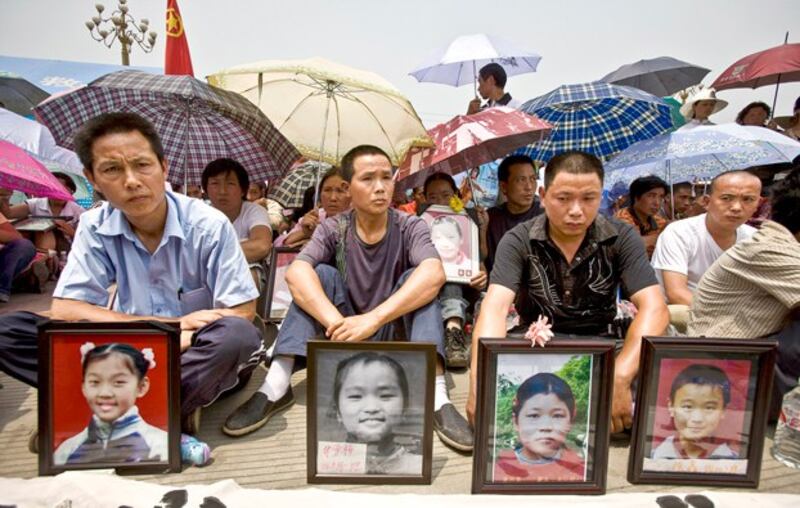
177,59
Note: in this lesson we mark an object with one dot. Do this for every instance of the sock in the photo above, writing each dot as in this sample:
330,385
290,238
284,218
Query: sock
440,397
279,378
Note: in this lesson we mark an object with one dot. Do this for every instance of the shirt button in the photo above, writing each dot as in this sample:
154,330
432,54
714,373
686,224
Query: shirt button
567,293
578,259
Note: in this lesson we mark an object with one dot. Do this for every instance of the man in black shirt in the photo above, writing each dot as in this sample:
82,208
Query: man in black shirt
518,182
569,263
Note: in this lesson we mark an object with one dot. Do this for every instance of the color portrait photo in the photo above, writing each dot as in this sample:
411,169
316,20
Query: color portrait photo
701,418
542,416
455,237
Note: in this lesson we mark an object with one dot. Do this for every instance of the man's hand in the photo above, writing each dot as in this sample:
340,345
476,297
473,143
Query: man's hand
621,407
186,339
474,106
479,281
201,318
353,328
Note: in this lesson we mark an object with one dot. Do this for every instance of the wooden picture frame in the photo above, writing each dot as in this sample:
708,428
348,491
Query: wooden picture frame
144,412
372,434
276,303
701,412
566,387
461,262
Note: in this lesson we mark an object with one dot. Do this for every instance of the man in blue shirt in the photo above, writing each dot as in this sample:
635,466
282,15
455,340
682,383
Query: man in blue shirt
173,258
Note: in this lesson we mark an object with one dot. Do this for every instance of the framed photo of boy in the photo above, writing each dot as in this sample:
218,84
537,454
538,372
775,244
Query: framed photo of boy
542,416
455,237
701,411
109,397
370,412
278,296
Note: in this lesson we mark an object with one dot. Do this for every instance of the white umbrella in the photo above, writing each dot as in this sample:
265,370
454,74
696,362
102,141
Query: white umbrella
458,63
36,139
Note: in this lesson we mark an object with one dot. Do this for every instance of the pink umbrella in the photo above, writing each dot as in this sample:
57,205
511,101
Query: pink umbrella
469,141
19,171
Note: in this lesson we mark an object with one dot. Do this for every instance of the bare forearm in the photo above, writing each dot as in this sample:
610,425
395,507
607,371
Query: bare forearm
255,250
679,296
421,287
307,293
76,310
294,237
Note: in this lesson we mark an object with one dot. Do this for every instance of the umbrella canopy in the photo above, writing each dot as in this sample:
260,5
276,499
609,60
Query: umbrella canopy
701,153
197,123
775,65
289,192
658,76
20,171
596,117
37,139
19,95
458,63
469,141
326,109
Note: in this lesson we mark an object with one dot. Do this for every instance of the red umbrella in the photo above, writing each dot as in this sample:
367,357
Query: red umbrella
469,141
769,67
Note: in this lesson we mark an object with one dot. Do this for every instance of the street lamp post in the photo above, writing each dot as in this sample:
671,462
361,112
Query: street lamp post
124,28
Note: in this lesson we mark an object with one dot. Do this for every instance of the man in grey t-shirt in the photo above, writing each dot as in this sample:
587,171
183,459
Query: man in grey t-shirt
360,273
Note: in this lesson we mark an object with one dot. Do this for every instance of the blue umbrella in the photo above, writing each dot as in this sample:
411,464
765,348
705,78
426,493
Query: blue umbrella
597,118
689,155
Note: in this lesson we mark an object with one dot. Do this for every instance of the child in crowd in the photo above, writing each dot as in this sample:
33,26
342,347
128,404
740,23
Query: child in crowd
370,399
697,401
448,239
542,412
114,376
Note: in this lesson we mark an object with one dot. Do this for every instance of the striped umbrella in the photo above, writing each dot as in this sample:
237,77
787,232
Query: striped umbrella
289,192
596,117
197,123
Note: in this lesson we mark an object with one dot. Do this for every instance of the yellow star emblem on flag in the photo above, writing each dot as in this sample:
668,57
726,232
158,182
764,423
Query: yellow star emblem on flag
174,23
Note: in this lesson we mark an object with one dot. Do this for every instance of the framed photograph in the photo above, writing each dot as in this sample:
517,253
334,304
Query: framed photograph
278,296
370,412
455,237
109,397
701,411
542,416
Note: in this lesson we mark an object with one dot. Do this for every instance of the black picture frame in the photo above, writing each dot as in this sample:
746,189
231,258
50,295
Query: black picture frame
730,435
412,445
61,371
275,273
503,471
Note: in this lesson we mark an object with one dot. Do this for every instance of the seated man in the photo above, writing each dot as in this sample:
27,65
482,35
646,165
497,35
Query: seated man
646,197
226,182
172,257
15,254
518,181
568,264
686,248
361,272
682,195
753,289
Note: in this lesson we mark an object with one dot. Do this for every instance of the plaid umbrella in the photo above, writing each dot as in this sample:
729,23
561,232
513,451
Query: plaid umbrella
197,123
289,192
596,117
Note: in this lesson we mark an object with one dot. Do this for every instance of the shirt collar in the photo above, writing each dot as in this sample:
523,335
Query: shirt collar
601,229
117,224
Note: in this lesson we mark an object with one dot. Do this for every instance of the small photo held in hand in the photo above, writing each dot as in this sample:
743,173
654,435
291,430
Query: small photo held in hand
455,237
697,420
542,416
370,412
109,397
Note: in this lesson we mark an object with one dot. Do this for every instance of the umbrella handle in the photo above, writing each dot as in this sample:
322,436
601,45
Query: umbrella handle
474,79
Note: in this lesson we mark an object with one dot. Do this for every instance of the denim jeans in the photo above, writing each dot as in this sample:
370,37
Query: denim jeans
14,257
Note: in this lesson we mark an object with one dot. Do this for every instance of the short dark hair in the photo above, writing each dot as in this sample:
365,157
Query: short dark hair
350,157
68,182
544,383
114,123
700,374
504,170
680,186
332,171
728,173
785,198
439,177
496,71
752,105
222,166
134,359
645,184
574,162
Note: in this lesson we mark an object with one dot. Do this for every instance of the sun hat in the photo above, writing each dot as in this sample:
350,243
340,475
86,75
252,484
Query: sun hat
704,94
784,122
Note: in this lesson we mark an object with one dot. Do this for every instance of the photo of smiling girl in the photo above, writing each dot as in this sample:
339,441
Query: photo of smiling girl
114,377
370,400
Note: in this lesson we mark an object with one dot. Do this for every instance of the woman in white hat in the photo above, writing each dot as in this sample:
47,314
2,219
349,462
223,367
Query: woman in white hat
700,106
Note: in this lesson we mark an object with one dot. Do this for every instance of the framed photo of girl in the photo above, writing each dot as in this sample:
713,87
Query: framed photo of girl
109,397
542,416
701,411
278,296
455,236
370,412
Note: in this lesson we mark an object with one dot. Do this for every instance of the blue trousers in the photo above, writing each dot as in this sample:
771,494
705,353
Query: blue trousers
421,325
14,257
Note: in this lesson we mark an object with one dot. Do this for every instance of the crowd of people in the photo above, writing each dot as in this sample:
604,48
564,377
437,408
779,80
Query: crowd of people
680,253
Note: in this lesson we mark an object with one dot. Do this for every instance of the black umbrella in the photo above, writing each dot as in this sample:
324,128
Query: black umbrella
659,76
19,95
